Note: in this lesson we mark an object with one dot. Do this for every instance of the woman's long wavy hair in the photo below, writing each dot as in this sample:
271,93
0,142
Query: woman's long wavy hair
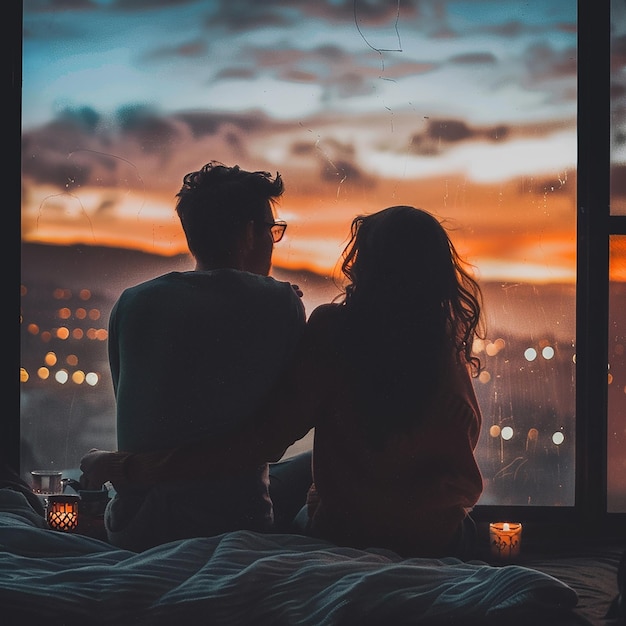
407,298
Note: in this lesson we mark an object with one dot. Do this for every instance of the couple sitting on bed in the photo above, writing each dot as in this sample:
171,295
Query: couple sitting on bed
216,372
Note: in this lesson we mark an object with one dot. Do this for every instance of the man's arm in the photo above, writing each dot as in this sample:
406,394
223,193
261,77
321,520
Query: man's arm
205,457
286,416
261,442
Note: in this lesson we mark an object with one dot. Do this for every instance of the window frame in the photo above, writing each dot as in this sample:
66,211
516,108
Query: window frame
10,431
588,517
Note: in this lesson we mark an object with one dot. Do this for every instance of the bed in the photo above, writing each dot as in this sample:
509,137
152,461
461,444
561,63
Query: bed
285,579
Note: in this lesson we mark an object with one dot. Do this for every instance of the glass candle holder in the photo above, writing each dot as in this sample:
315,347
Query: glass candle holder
62,512
505,539
45,482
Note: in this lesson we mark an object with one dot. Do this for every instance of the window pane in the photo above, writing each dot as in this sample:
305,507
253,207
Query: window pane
618,107
616,443
467,110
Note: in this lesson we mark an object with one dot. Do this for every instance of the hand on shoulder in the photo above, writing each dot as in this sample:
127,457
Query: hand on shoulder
96,468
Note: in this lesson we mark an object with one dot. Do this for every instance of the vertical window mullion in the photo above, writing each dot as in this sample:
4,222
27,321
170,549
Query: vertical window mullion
593,203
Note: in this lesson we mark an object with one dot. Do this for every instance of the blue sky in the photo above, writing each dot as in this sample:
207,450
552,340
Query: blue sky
467,109
293,59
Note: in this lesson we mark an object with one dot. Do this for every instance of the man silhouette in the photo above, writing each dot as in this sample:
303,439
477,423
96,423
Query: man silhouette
193,354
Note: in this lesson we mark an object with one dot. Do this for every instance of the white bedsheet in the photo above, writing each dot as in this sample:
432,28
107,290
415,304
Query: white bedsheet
250,578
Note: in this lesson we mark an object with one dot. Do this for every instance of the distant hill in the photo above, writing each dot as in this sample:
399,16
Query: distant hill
110,270
522,308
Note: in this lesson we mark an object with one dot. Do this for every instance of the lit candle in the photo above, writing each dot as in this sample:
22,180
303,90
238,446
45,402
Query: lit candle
505,539
63,512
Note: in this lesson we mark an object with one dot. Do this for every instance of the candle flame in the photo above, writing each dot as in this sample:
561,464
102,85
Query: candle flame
506,527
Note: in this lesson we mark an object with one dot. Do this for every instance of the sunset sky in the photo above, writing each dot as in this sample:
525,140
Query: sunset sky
463,108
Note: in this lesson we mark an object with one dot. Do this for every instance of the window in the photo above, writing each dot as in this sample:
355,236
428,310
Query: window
477,111
616,427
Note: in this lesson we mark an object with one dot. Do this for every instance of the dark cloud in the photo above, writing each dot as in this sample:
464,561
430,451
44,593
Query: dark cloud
517,28
191,49
337,162
618,180
618,55
366,12
618,84
303,148
618,95
330,52
242,15
107,205
618,49
81,118
494,133
202,123
149,129
49,6
299,76
512,28
236,73
442,133
401,69
52,169
68,155
340,75
474,58
344,172
36,27
79,146
450,131
274,57
142,5
335,159
544,63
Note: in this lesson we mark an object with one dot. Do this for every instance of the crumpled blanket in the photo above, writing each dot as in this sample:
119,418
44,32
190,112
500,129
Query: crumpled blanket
251,578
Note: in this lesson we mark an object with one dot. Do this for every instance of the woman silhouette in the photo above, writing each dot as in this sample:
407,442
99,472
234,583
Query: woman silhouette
386,380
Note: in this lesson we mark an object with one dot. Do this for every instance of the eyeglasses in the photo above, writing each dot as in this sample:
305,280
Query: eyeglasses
277,229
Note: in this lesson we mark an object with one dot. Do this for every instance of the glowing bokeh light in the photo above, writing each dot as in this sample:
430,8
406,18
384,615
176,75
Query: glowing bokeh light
558,438
494,431
530,354
484,377
92,379
478,345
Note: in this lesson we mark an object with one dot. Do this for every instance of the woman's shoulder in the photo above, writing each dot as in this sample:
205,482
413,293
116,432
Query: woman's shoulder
324,325
326,315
